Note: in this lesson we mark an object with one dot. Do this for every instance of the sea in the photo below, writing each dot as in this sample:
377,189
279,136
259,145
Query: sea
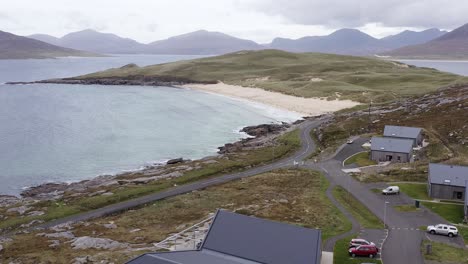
68,133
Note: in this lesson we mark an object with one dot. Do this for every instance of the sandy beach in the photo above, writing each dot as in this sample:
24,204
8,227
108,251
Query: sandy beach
303,106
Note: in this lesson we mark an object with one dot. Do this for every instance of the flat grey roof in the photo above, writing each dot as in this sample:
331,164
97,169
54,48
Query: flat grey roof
448,174
402,132
240,239
387,144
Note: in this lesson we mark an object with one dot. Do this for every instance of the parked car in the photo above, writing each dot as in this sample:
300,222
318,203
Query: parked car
356,242
442,229
364,251
350,141
391,190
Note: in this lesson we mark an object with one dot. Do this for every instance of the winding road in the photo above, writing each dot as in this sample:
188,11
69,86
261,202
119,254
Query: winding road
402,240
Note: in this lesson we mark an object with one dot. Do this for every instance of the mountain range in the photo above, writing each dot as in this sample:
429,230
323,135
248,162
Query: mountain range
431,43
451,45
18,47
202,42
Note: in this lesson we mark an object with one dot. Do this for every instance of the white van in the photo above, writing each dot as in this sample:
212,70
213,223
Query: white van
391,190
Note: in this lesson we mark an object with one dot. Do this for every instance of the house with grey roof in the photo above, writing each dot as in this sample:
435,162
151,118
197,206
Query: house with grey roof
448,182
239,239
391,149
402,132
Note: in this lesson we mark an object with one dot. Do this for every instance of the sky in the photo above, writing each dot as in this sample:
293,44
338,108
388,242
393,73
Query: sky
258,20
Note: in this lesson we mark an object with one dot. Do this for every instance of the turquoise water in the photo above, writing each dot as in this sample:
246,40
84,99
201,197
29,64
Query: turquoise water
53,132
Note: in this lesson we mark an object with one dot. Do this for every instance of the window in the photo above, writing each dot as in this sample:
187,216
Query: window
458,195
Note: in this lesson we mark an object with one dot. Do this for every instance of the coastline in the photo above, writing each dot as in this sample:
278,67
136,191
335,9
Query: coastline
299,105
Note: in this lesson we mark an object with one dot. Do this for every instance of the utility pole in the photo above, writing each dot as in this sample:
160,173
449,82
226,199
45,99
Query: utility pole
370,121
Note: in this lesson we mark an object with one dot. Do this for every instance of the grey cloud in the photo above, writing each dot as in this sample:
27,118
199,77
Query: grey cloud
390,13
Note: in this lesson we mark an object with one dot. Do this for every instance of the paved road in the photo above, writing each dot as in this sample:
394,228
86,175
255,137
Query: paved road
307,147
404,237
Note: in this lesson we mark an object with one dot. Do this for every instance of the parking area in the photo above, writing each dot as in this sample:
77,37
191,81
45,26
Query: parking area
377,236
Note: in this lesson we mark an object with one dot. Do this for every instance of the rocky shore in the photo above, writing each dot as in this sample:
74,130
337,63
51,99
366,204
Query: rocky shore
261,136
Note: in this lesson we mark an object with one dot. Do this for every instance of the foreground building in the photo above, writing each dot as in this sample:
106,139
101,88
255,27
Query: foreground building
391,149
239,239
401,132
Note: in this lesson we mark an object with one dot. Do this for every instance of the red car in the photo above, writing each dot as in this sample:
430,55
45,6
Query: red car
364,251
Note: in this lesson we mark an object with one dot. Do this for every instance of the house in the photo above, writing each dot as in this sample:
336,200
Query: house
401,132
448,182
391,149
239,239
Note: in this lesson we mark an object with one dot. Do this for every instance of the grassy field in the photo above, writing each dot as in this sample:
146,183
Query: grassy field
365,217
341,256
416,191
286,144
292,196
444,253
304,75
360,159
450,212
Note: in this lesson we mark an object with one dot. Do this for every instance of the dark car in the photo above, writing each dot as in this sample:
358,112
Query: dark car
364,251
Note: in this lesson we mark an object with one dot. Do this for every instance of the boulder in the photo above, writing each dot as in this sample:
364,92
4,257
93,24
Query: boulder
96,243
175,161
20,210
83,260
110,226
66,234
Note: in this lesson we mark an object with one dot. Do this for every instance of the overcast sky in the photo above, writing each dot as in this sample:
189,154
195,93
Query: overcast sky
259,20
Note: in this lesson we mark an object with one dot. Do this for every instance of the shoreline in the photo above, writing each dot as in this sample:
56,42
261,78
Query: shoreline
300,105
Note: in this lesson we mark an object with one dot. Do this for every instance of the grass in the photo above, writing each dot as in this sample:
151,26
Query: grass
293,196
345,77
450,212
365,217
463,232
360,159
341,256
286,144
416,191
406,208
444,253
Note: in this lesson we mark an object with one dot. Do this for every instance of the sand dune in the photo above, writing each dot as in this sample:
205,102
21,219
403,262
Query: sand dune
303,106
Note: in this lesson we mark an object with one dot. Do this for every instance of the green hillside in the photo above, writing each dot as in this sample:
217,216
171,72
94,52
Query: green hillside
299,74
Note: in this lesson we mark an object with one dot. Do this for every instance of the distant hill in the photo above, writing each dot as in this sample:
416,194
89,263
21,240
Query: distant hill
354,42
201,42
452,45
304,75
94,41
343,41
409,37
18,47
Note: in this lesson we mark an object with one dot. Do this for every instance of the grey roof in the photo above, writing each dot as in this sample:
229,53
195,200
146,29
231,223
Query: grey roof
240,239
448,174
262,240
402,132
190,257
387,144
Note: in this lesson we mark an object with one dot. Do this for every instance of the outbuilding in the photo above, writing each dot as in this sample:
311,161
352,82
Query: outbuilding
402,132
239,239
391,149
